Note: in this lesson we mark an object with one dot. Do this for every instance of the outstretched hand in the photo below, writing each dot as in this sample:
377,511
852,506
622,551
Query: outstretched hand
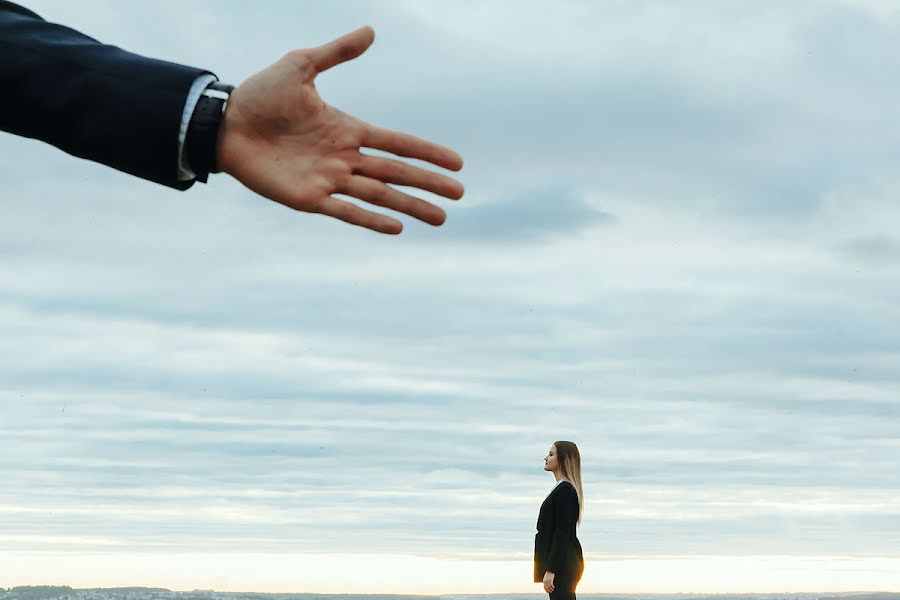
282,141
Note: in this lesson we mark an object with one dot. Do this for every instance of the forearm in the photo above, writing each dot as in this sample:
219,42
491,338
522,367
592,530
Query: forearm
557,552
565,518
89,99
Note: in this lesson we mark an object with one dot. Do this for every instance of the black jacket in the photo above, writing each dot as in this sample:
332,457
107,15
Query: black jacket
556,546
89,99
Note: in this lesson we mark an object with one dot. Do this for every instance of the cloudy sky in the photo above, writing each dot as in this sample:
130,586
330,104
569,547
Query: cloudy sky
678,248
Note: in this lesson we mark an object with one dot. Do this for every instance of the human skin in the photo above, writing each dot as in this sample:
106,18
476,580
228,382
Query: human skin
281,140
551,462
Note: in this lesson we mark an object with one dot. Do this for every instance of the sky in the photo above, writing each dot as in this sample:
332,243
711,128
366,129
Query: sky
678,248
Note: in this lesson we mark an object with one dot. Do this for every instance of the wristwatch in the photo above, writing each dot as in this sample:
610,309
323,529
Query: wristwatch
203,129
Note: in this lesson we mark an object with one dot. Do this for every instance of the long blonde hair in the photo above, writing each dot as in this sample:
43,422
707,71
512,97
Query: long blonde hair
569,460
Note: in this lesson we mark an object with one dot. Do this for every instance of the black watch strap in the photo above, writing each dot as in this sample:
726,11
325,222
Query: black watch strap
203,130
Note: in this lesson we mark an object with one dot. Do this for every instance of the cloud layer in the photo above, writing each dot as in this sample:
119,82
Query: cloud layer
677,248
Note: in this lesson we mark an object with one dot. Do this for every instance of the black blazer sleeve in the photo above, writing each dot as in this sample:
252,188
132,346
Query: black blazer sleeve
556,545
565,518
89,99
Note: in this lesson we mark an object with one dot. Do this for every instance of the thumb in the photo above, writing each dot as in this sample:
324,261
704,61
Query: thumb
342,49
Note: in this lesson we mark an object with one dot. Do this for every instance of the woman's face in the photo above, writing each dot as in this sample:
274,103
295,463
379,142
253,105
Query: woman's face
550,463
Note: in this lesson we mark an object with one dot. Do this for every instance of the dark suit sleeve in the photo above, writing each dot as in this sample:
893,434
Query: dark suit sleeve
89,99
565,513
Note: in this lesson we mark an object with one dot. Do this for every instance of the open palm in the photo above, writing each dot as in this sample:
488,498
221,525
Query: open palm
281,140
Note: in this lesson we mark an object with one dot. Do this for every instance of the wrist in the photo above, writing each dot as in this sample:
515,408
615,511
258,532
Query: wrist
204,130
222,139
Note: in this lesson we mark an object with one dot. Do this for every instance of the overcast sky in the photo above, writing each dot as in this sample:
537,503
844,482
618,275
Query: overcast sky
678,248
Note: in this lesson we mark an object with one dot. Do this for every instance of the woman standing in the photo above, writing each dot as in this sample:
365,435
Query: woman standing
558,560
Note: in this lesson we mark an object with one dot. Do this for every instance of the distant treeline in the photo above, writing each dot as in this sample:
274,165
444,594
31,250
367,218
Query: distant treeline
50,592
37,592
64,592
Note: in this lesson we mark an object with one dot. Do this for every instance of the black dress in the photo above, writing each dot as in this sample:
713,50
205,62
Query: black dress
556,546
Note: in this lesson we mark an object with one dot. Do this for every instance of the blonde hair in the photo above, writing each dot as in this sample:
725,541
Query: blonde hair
569,460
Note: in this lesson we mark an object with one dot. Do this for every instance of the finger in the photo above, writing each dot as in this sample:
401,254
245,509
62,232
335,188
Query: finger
400,173
410,146
342,49
350,213
381,194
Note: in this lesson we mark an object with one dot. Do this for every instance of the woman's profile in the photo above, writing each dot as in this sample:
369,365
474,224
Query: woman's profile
558,560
